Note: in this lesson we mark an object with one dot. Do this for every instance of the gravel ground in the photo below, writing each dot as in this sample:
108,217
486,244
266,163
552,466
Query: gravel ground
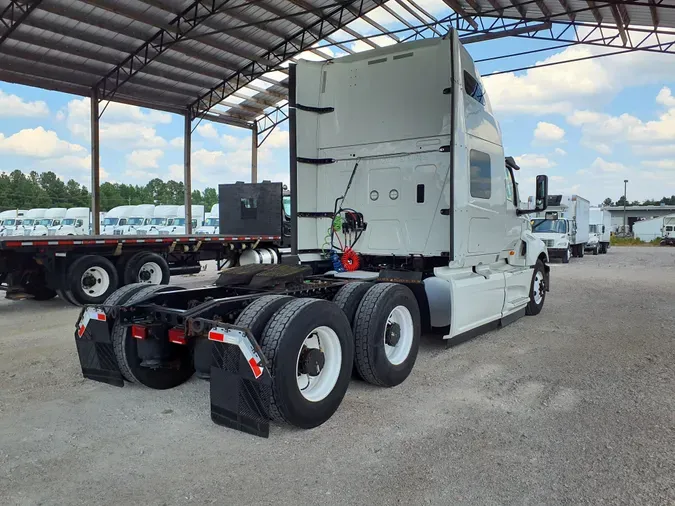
575,406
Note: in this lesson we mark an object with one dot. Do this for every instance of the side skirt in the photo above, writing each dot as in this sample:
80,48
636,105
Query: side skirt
470,334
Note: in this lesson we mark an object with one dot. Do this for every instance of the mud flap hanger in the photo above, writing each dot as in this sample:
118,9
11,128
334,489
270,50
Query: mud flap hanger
241,384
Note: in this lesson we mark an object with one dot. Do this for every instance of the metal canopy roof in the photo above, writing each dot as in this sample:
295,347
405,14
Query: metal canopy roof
213,58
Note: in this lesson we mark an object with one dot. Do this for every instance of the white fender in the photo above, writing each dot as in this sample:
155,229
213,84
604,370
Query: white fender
534,247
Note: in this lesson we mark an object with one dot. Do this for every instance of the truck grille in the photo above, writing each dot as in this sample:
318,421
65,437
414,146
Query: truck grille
51,232
549,243
163,232
117,232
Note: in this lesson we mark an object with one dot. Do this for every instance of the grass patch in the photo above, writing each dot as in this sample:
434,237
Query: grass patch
631,241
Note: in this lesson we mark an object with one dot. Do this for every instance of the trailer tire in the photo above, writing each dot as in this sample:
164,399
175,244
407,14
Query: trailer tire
538,284
288,335
596,250
126,351
100,271
349,297
387,311
147,268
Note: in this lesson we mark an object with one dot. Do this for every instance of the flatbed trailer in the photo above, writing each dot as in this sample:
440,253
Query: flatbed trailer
87,269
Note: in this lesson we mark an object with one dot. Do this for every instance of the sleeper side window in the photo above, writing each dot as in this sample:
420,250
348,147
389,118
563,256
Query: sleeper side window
480,175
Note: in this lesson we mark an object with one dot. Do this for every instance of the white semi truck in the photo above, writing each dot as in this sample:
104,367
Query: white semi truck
403,209
52,218
163,217
140,216
25,225
116,217
599,230
177,227
564,226
75,222
211,222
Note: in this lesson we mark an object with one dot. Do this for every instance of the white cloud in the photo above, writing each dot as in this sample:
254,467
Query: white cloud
145,158
561,88
12,106
176,142
231,142
73,167
600,147
603,166
548,132
123,125
37,143
665,97
668,164
207,130
531,161
559,152
655,151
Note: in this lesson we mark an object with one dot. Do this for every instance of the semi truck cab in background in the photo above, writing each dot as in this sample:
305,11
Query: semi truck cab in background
139,217
11,220
564,226
116,217
75,222
211,223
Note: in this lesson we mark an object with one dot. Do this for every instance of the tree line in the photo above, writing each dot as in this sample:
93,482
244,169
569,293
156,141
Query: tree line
29,191
668,201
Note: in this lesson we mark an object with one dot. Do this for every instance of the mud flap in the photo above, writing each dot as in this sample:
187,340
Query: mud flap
241,384
95,349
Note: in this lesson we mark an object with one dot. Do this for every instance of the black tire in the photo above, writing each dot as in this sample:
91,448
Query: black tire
349,297
581,250
282,342
123,294
596,250
255,317
533,308
132,269
566,256
75,291
126,352
63,295
370,326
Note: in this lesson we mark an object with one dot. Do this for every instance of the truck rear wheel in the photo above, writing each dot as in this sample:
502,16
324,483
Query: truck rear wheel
537,290
566,256
349,297
310,351
91,279
387,330
254,317
177,367
147,267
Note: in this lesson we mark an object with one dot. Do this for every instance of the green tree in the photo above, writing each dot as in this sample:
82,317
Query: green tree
607,202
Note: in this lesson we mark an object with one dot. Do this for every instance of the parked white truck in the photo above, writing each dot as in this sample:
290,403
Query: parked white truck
52,218
140,216
564,227
10,220
116,217
178,225
163,217
24,225
599,230
75,222
400,146
668,231
210,226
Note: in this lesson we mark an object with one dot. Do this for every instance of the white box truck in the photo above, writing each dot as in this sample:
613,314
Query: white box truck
599,230
668,230
564,226
52,218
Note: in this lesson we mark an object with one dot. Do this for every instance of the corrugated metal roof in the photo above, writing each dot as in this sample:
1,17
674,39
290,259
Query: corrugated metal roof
217,54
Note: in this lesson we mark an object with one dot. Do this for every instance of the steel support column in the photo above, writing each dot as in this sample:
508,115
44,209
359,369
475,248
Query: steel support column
95,164
254,152
187,173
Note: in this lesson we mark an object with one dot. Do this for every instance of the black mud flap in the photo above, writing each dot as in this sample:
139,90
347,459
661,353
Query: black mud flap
239,400
95,349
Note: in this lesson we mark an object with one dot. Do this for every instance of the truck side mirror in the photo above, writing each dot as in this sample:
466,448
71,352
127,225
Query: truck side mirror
541,193
540,196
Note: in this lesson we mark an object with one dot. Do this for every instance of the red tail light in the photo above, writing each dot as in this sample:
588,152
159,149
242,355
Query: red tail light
177,335
139,331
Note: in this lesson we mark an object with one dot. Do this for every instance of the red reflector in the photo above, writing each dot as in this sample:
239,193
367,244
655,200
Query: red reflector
257,371
214,335
177,336
139,331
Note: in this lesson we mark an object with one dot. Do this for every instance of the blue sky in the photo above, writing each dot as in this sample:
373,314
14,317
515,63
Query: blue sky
588,125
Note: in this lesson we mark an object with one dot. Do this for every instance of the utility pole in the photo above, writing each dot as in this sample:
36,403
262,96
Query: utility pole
625,184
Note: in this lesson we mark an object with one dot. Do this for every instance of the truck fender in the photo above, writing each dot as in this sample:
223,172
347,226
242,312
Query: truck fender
439,297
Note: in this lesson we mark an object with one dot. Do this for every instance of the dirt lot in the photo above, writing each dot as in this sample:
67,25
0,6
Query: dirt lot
574,406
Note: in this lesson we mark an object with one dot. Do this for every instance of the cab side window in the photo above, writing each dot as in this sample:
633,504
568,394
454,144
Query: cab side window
480,175
508,180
